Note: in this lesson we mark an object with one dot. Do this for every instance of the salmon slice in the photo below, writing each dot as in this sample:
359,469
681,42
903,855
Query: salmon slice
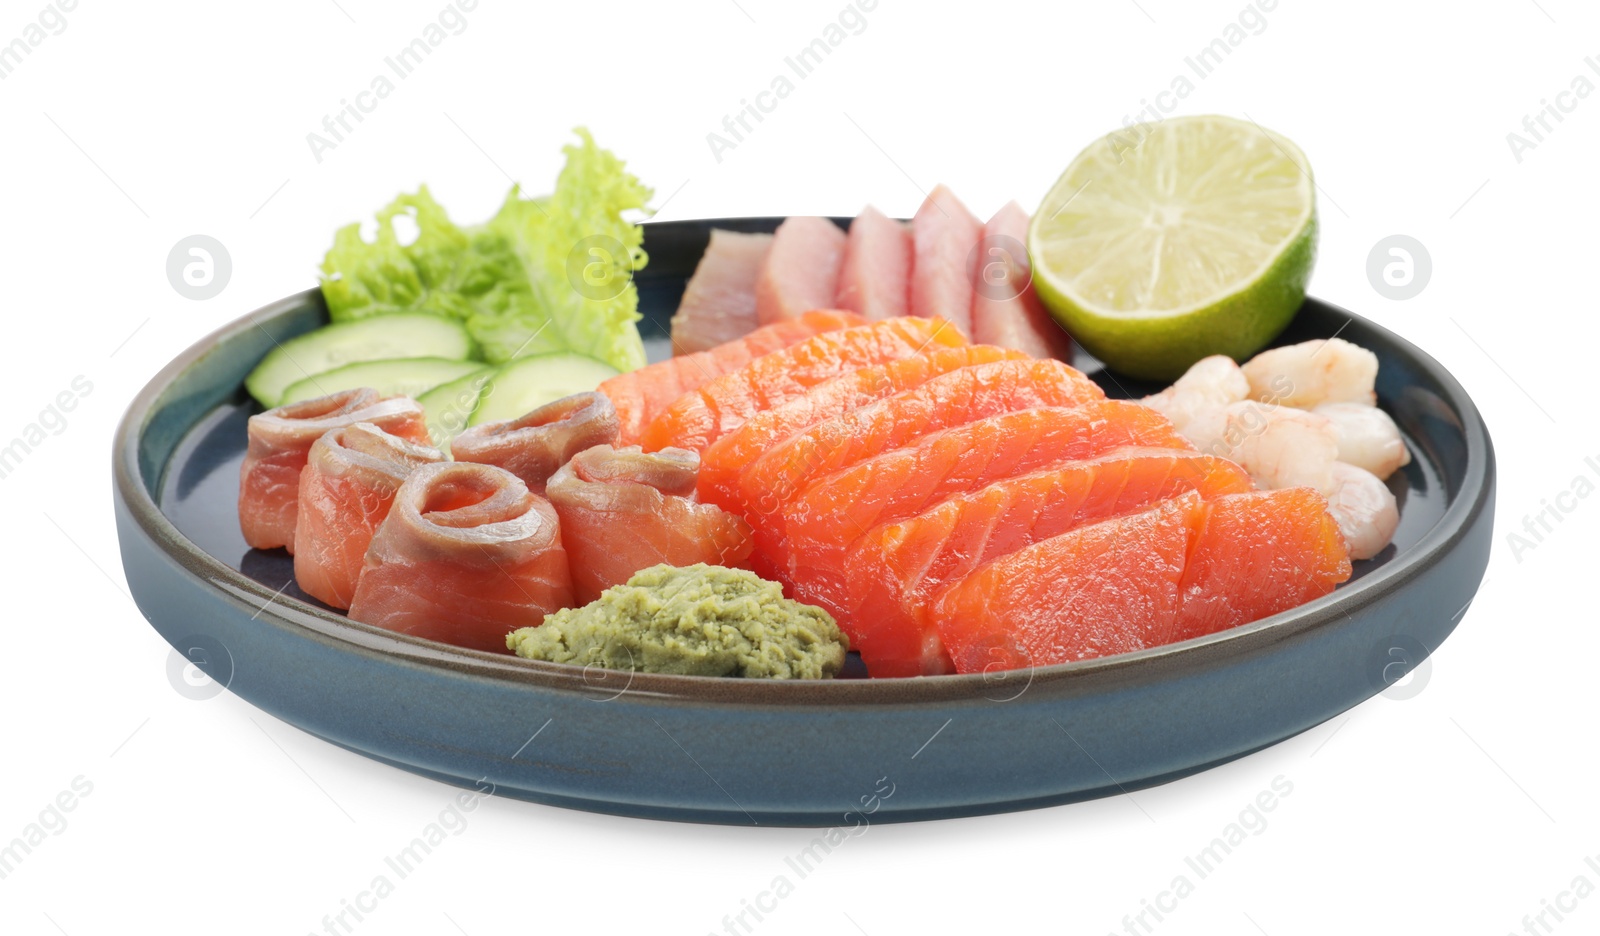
534,446
812,537
279,442
772,482
897,569
801,271
1108,587
641,395
944,237
467,555
1005,309
702,416
719,301
1257,554
623,510
875,280
724,461
346,488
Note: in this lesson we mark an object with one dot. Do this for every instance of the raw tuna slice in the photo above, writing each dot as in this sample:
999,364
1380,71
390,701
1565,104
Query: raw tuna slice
801,272
719,302
945,237
467,555
641,395
897,569
701,417
875,281
1109,587
346,488
534,446
623,510
1005,309
1257,554
280,440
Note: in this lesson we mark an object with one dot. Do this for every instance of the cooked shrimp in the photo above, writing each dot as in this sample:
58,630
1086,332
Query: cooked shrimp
1364,508
1281,446
1197,403
1312,372
1368,438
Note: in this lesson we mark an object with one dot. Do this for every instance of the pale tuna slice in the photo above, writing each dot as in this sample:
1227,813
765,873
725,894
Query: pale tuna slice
719,303
875,280
801,271
1006,312
944,236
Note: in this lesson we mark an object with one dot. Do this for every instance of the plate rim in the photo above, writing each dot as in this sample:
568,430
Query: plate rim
1121,670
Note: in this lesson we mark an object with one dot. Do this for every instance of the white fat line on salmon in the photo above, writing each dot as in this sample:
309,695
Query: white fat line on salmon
52,18
451,822
1536,126
1537,526
336,126
805,862
851,21
52,421
52,821
1566,901
1251,822
1251,21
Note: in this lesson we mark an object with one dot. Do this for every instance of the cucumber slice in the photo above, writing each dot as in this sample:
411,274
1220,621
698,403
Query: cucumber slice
449,406
404,376
402,335
528,383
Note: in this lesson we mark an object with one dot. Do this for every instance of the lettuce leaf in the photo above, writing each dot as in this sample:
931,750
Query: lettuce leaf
543,275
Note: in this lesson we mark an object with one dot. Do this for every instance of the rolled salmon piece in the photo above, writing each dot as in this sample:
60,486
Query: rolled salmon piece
281,439
346,489
625,509
466,556
534,446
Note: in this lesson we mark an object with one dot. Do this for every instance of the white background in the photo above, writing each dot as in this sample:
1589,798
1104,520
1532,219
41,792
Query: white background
1459,810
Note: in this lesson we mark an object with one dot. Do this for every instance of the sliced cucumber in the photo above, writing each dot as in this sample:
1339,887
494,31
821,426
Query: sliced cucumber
529,383
410,377
403,335
450,406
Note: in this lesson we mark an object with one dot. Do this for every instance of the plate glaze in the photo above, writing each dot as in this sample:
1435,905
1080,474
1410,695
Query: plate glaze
773,752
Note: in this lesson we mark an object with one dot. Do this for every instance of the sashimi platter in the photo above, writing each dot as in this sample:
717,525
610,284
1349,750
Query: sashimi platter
734,520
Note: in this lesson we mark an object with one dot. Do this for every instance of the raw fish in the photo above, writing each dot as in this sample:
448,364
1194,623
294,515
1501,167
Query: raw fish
534,446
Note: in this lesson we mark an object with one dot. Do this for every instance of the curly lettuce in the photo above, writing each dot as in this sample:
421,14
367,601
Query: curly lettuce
543,275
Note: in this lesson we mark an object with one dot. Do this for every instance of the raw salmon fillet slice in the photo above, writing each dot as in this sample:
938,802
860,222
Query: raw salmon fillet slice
346,488
1108,587
875,280
719,301
532,447
279,441
623,510
954,398
944,236
467,555
896,569
1005,309
702,416
801,271
1257,554
724,461
812,536
642,395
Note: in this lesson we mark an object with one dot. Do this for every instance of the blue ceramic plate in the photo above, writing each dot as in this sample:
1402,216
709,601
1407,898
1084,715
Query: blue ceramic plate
770,752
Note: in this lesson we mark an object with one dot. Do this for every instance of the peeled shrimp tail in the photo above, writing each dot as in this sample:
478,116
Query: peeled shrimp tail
535,445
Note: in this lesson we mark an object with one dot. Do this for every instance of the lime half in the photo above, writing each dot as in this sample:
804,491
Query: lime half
1164,244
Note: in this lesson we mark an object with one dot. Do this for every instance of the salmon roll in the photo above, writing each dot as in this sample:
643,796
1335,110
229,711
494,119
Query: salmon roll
534,446
280,441
626,509
466,555
346,489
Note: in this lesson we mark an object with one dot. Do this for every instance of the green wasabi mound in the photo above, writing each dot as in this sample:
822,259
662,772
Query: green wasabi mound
699,620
